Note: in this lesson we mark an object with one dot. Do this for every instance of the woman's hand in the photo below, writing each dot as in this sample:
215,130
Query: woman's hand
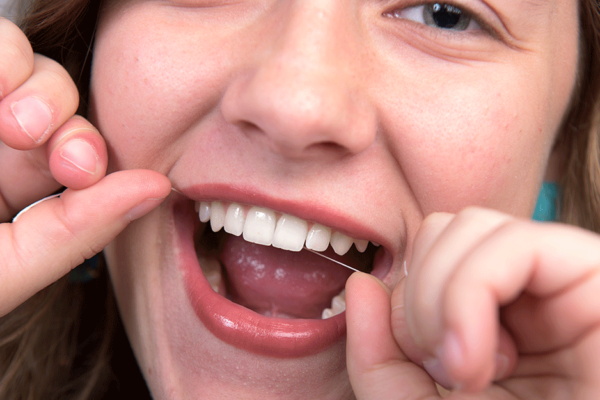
497,307
43,146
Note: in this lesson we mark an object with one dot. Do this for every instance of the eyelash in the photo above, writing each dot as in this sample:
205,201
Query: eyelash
415,9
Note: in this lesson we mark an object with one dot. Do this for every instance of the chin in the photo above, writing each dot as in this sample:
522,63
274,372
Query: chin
220,299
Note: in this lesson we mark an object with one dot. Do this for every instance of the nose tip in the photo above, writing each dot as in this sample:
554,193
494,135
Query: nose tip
300,92
301,114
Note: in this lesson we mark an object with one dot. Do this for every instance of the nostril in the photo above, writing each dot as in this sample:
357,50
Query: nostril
294,145
300,113
327,146
248,126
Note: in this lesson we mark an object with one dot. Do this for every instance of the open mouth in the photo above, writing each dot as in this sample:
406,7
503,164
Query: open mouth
255,257
254,285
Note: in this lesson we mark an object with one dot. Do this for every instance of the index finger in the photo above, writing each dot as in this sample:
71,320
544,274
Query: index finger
16,57
31,113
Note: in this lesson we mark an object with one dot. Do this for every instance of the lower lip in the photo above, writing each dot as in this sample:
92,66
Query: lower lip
239,326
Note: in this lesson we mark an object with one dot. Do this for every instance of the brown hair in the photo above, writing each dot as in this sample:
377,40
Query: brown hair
30,368
49,347
581,129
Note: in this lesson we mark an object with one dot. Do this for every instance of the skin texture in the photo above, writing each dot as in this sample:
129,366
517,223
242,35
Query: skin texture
404,119
44,243
376,120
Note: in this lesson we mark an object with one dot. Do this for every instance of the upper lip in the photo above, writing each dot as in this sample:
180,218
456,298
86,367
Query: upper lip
309,209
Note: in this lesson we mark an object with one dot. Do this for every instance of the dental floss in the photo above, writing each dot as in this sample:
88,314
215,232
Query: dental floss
33,205
331,259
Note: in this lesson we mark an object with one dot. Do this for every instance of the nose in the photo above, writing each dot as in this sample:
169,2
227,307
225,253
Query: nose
304,89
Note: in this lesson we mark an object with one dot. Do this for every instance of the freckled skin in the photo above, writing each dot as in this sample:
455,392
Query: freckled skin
324,105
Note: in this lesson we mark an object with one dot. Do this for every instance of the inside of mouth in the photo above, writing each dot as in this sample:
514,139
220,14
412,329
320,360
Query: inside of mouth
274,282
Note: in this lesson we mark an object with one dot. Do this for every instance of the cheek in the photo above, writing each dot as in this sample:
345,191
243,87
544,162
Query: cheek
472,145
147,89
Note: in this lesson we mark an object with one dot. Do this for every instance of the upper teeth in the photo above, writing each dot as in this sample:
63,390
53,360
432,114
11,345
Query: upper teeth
264,226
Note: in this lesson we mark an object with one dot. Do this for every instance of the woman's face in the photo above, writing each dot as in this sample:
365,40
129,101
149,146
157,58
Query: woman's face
362,116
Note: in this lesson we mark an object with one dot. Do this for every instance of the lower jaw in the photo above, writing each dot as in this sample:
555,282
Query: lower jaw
237,325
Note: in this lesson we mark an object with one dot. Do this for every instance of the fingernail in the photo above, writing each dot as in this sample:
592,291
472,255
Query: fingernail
80,154
438,373
449,355
502,363
143,208
33,116
452,351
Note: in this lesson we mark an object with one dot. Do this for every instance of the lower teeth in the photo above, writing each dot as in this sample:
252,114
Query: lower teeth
338,305
211,268
212,271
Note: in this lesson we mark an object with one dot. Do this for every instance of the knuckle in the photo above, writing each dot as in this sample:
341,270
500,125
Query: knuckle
516,229
16,55
13,37
471,212
59,80
82,246
479,214
483,219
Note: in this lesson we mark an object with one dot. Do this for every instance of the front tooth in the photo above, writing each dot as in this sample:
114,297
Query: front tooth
234,219
318,238
204,211
290,233
217,216
259,226
340,243
361,245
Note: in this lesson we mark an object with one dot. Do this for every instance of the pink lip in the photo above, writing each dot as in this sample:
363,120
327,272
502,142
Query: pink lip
237,325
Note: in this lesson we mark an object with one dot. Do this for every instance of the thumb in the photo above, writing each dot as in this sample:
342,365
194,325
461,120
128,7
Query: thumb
377,367
54,236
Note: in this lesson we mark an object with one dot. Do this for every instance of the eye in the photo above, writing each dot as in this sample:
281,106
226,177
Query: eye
438,15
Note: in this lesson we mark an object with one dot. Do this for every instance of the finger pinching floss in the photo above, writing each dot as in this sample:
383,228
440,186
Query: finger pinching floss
331,259
346,265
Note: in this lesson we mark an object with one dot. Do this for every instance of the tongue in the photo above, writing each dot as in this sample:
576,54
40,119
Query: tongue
280,283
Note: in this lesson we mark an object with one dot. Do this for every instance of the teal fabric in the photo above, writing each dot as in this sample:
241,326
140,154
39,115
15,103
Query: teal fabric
546,208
